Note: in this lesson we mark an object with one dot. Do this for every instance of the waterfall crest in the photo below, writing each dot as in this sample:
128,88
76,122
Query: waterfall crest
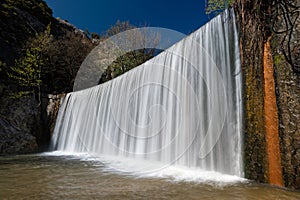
183,107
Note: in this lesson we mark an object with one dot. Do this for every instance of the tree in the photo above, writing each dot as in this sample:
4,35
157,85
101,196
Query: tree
65,55
215,6
118,28
27,70
131,59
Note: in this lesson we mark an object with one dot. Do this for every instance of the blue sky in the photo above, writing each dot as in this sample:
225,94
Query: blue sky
98,15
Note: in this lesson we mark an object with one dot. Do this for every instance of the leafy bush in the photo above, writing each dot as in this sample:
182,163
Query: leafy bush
216,6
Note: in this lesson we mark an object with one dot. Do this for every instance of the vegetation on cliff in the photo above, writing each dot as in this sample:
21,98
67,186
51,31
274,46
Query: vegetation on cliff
22,24
130,59
216,6
40,55
27,70
50,66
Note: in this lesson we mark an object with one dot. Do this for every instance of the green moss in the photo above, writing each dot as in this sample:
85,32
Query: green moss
278,59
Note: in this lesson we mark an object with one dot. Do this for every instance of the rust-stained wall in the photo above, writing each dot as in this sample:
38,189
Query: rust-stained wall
255,22
252,38
271,118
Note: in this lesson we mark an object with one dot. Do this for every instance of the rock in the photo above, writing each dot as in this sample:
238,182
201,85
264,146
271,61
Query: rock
2,87
14,141
52,109
19,120
24,122
297,183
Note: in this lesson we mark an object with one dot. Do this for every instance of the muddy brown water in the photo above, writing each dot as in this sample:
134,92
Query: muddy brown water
66,177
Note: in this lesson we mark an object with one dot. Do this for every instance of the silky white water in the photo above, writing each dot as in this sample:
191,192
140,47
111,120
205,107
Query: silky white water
181,108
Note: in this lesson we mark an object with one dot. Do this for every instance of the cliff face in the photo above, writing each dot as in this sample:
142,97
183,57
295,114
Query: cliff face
257,21
252,38
24,126
19,121
288,95
20,20
288,100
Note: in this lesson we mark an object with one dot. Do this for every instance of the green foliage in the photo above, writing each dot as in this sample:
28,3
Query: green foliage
17,95
125,63
22,49
216,6
27,70
19,21
131,59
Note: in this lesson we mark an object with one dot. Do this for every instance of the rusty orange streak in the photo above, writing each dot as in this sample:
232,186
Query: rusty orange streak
271,119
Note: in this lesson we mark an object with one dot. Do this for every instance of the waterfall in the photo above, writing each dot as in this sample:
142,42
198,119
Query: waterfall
183,107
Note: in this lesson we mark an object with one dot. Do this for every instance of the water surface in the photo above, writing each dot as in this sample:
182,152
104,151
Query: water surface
69,177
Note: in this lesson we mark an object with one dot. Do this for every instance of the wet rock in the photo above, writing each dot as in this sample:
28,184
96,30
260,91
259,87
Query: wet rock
52,109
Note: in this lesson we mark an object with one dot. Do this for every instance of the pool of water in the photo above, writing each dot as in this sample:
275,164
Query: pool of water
47,176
